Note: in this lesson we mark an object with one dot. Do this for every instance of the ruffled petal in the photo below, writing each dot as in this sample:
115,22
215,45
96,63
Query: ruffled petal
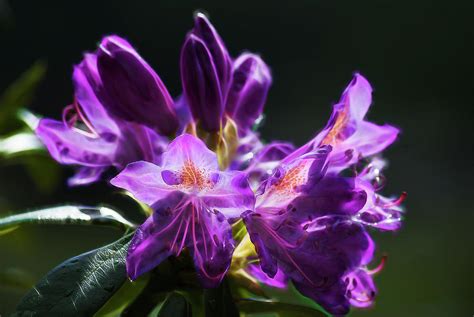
144,180
315,257
132,89
69,146
360,289
231,194
331,196
291,178
280,280
347,131
86,175
370,139
187,148
180,221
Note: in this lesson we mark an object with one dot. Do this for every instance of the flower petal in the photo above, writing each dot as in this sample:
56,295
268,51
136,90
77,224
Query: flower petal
201,84
68,146
180,221
279,280
87,87
86,175
132,89
187,148
315,257
144,180
231,194
331,196
361,289
204,30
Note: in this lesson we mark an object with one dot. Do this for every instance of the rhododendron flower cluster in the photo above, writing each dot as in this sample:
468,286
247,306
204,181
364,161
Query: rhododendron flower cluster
198,161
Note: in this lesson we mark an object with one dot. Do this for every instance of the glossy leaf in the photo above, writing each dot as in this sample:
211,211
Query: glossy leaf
79,286
122,298
67,215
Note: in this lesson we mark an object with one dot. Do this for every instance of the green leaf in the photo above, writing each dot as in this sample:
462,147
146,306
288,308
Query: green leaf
20,93
176,305
259,307
79,286
123,297
19,144
219,301
67,215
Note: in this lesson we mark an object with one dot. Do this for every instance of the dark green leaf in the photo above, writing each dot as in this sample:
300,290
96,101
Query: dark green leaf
20,93
249,306
123,297
219,301
176,305
162,280
67,215
81,285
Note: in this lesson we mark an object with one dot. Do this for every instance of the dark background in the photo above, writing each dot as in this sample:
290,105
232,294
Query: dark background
417,54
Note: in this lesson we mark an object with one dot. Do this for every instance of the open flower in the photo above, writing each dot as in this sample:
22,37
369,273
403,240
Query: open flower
302,226
193,203
113,120
347,131
308,222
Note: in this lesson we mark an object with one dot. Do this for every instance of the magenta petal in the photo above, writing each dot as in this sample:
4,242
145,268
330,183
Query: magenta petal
231,194
280,280
86,175
370,139
132,89
315,257
358,95
361,289
179,221
87,86
69,146
204,30
185,149
330,196
144,180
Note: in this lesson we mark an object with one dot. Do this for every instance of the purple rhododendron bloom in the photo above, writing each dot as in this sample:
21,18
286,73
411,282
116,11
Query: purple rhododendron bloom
305,221
193,203
215,86
308,220
113,120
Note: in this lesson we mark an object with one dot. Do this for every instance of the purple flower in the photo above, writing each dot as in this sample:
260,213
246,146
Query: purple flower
92,138
192,202
304,201
379,212
350,135
215,86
